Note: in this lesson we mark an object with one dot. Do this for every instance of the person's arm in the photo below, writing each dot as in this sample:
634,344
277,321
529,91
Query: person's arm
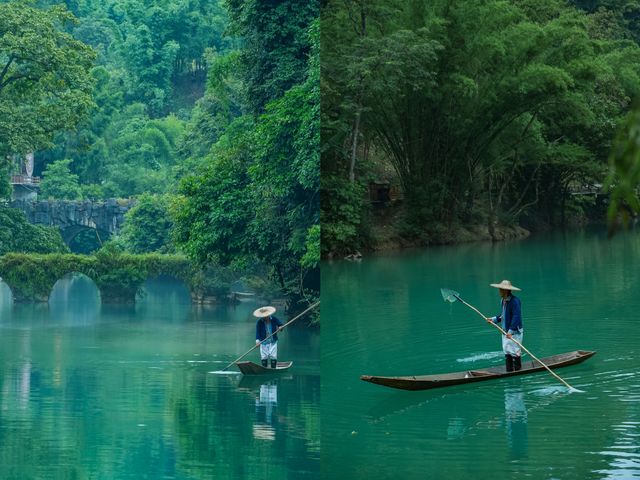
496,319
257,332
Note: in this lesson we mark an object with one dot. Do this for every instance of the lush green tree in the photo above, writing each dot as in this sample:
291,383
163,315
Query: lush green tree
623,180
142,152
152,60
220,104
5,186
18,235
487,111
149,68
615,18
286,175
214,208
276,45
45,84
147,226
342,214
254,198
58,182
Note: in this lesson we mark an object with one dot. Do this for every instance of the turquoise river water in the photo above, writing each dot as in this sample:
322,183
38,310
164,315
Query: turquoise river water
386,316
106,392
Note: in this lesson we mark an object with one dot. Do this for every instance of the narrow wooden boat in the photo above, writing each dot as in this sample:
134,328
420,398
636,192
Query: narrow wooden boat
250,368
425,382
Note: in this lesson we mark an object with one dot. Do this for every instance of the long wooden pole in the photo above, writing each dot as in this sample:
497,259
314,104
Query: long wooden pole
516,341
269,336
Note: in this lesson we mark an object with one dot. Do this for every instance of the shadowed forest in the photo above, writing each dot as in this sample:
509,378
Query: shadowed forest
478,117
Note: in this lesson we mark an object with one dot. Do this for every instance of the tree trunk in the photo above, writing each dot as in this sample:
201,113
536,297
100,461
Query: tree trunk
354,147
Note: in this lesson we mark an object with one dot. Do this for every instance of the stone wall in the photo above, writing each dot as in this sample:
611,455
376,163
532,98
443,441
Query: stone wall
107,216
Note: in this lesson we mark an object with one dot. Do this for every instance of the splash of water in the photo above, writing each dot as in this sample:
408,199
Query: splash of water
480,356
556,390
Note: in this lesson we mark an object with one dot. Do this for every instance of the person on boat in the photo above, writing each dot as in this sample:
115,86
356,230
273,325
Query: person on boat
511,314
267,325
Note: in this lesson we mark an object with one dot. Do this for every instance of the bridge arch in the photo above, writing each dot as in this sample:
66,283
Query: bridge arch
31,277
6,297
82,239
73,286
75,297
118,277
74,216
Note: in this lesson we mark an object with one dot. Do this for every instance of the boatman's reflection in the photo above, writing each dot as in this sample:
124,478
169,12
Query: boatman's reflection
266,404
515,412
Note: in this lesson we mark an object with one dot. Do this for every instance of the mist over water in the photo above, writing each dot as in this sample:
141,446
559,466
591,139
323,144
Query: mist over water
124,392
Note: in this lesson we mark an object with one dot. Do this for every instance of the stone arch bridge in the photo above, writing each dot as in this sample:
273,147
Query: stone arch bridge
119,277
75,216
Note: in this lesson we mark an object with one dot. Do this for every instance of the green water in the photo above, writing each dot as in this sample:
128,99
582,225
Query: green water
386,316
98,392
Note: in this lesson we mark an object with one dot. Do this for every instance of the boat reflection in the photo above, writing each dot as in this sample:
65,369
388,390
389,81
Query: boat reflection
265,393
515,414
266,404
454,424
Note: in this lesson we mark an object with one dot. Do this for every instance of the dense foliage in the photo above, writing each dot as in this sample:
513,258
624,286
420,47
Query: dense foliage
489,112
147,226
207,113
253,198
45,85
624,176
59,182
150,68
17,235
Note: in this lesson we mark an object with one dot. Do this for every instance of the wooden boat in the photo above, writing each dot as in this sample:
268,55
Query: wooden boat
250,368
425,382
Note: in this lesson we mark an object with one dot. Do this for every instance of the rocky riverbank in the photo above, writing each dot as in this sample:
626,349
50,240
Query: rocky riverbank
387,238
388,232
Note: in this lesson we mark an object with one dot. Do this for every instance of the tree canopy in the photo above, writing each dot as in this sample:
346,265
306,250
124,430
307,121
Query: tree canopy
253,196
17,235
45,85
151,67
488,112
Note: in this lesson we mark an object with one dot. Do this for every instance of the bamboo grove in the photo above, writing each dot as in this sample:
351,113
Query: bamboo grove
488,113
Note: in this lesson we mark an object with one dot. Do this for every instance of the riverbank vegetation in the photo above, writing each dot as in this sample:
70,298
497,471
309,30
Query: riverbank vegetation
18,235
624,175
475,115
206,112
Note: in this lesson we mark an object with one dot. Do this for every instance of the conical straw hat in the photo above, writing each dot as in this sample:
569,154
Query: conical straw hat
504,285
264,312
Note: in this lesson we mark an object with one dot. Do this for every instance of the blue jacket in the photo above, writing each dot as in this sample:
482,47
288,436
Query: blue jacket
512,315
261,328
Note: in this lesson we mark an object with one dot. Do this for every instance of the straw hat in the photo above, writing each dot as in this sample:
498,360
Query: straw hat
504,285
264,312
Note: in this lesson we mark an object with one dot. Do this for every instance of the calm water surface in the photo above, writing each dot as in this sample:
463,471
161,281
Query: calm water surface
385,316
99,392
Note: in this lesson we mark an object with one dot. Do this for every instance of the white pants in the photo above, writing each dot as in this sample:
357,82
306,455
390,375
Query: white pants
269,351
509,347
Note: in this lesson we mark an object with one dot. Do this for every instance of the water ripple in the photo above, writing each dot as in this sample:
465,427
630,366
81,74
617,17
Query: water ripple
481,356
